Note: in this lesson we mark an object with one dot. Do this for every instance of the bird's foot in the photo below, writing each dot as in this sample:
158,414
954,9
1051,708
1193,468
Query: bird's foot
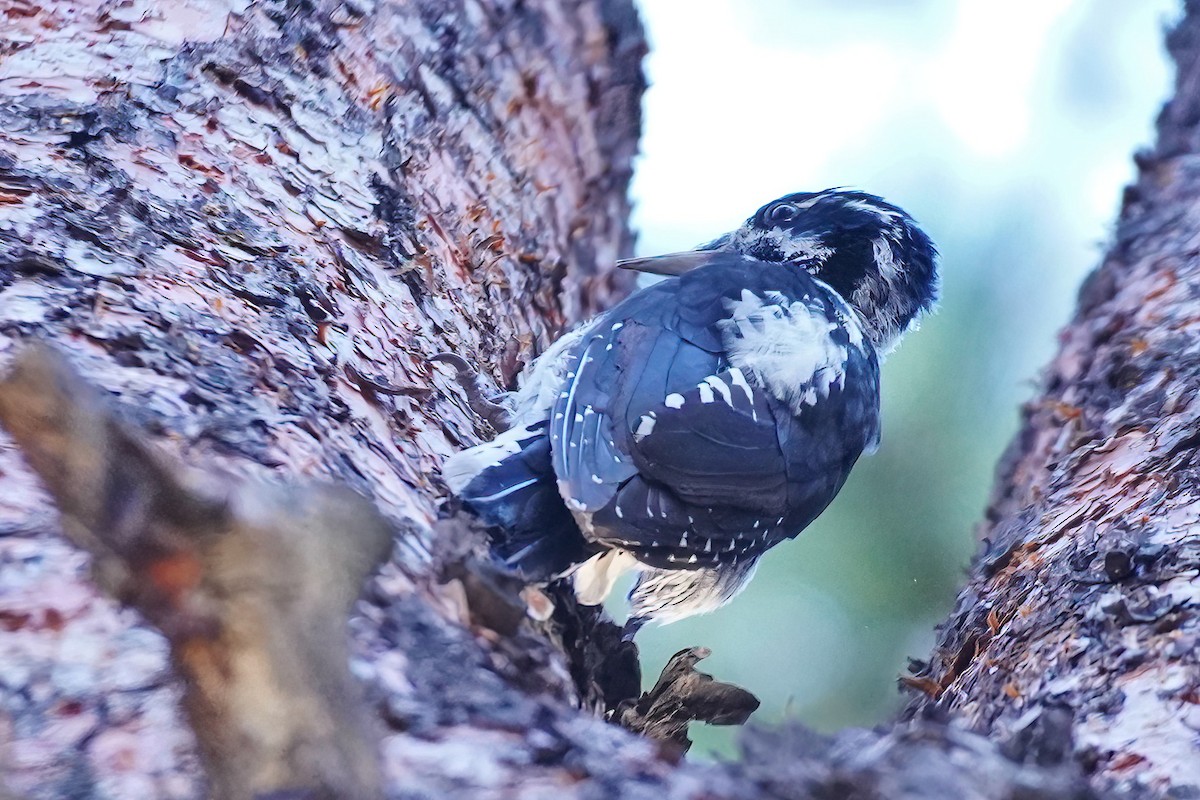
492,408
632,626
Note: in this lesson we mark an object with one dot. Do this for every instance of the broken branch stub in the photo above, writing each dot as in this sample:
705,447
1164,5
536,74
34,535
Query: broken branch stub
250,582
683,695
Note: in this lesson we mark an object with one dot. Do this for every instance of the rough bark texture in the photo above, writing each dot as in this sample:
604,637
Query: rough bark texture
1086,597
251,224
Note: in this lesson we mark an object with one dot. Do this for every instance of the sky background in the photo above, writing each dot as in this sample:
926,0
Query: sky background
1006,130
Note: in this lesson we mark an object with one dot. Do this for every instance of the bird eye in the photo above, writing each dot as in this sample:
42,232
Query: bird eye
782,212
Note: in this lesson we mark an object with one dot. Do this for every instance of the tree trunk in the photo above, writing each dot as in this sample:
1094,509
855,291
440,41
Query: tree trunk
252,223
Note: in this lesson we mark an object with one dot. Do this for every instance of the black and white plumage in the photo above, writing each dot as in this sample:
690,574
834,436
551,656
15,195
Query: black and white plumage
710,416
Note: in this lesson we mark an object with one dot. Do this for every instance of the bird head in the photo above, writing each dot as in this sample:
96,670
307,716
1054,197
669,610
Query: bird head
867,250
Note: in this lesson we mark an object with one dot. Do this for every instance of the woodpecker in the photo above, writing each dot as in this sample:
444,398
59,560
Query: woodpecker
709,416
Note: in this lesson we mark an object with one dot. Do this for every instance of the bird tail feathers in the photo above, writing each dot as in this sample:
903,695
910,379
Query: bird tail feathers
509,483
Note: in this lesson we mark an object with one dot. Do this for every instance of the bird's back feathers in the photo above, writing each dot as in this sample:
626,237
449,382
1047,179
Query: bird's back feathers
697,423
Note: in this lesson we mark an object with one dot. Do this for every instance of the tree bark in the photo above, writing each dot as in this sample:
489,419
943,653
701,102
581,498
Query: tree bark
251,224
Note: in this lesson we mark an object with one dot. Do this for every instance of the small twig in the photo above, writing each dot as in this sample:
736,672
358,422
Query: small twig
496,414
683,695
250,582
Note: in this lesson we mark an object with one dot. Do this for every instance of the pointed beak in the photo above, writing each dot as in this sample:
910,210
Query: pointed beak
670,264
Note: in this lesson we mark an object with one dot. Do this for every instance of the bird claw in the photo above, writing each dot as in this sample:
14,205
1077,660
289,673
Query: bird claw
497,414
632,626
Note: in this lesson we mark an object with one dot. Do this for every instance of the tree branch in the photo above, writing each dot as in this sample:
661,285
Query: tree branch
251,583
683,695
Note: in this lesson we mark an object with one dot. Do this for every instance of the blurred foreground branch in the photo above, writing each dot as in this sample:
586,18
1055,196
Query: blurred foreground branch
250,582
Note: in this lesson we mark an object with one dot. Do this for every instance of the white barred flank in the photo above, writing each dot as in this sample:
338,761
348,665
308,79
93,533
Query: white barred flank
667,596
544,380
540,387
